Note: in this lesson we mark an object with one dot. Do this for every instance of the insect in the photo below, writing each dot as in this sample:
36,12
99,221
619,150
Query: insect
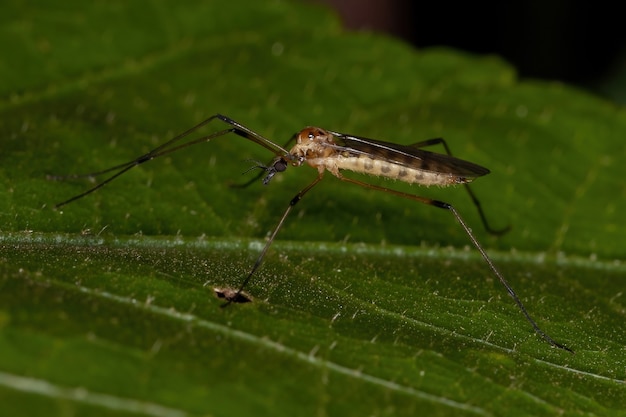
326,150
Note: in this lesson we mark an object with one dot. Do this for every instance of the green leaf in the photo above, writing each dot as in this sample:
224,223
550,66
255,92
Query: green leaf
367,304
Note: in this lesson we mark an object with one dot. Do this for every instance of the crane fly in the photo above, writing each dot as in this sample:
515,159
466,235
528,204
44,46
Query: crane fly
326,150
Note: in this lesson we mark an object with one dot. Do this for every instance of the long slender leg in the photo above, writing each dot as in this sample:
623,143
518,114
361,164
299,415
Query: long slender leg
483,218
261,256
168,147
470,234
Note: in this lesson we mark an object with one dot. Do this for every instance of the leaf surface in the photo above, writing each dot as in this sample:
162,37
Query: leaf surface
367,304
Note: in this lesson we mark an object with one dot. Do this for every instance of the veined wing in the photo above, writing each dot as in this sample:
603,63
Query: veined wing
408,156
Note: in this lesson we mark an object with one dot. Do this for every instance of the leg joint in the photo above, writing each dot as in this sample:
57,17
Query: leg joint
441,204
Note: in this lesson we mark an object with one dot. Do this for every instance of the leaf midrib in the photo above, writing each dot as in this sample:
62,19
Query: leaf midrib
313,247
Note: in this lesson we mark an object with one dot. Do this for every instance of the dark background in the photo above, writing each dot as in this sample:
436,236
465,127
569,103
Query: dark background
577,42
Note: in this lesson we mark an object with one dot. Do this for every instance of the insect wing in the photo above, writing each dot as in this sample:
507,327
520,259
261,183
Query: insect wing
408,156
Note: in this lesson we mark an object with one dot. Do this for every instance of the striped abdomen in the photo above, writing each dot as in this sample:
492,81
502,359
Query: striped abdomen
388,169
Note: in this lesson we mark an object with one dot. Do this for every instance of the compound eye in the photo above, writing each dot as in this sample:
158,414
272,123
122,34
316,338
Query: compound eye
280,165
